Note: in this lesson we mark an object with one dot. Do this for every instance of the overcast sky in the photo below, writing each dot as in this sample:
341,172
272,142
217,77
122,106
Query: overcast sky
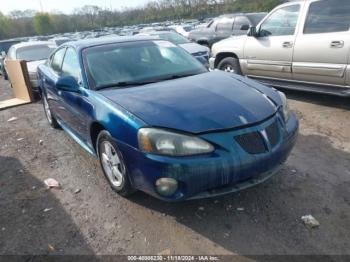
65,6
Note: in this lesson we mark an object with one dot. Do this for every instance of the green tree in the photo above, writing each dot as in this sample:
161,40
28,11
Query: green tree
42,23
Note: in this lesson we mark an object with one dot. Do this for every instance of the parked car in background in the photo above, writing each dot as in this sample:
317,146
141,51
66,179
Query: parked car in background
198,51
35,53
60,40
225,26
160,122
4,47
301,45
183,30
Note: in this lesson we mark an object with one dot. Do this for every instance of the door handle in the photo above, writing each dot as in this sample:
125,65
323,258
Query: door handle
287,44
337,44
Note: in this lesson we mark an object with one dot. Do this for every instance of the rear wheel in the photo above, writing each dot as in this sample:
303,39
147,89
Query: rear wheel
113,165
230,65
50,118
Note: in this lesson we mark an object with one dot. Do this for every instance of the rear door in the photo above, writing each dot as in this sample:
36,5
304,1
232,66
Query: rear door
271,53
50,78
322,47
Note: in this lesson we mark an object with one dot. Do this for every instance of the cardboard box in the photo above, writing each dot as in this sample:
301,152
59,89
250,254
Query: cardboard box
19,78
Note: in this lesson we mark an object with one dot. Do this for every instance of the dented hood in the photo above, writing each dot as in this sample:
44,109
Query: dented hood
201,103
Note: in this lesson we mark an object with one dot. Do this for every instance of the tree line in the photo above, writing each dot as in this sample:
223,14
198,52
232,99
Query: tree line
29,22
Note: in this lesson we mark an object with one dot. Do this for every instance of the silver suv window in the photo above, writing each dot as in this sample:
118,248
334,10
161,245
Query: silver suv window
282,22
328,16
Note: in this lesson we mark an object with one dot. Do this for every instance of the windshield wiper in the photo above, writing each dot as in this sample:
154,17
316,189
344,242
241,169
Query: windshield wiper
177,77
124,84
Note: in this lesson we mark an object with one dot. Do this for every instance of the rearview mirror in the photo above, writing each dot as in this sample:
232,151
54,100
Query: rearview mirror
244,27
67,83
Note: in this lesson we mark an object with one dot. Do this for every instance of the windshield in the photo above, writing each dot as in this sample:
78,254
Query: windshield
145,61
173,37
34,53
255,19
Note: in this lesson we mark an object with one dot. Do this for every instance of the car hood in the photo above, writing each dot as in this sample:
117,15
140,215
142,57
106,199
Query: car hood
194,48
33,65
201,103
232,44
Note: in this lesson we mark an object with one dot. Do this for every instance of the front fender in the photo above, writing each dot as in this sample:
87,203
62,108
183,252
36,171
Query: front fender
121,124
233,45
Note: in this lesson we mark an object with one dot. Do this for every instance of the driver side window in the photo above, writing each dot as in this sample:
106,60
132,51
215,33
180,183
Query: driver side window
282,22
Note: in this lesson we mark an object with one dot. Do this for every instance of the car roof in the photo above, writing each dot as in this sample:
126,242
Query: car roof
85,43
32,43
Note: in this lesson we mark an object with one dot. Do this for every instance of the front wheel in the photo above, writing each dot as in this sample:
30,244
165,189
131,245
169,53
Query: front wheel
230,65
113,165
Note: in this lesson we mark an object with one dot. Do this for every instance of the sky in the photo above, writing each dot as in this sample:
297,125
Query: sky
65,6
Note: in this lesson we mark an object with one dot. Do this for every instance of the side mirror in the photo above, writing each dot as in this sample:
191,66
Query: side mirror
244,28
253,32
67,83
3,53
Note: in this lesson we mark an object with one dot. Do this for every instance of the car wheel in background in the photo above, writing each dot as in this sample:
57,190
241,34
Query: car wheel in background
50,118
230,65
113,165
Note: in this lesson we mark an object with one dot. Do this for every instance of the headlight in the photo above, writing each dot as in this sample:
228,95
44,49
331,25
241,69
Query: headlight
285,106
161,142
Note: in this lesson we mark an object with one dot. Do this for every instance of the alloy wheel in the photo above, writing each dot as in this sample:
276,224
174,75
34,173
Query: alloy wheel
112,164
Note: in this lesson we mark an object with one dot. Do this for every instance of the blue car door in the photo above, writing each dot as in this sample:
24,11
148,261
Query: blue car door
77,110
49,79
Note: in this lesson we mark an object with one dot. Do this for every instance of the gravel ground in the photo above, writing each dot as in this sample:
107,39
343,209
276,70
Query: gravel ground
265,220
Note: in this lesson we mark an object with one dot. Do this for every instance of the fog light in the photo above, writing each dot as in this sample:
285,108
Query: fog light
166,186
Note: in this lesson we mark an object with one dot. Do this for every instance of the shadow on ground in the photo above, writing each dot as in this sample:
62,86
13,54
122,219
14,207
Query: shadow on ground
266,219
25,228
319,99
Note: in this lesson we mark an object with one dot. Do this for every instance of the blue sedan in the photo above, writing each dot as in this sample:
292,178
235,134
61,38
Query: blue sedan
159,122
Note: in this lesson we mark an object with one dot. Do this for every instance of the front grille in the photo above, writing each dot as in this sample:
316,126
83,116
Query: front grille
253,143
273,134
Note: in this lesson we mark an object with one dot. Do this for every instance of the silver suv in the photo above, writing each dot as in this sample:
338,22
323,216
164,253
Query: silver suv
302,45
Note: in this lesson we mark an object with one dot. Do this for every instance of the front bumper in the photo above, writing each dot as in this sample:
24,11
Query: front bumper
228,169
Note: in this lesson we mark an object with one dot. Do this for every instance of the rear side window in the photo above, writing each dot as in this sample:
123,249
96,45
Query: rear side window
56,61
225,25
282,22
327,16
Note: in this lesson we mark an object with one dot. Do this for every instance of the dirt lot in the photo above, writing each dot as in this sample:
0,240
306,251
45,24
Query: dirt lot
262,220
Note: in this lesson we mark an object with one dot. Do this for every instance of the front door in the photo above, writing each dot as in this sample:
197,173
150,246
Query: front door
322,47
270,54
76,106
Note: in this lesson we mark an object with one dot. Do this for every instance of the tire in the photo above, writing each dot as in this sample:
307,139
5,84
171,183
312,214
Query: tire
230,65
50,118
113,165
6,77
